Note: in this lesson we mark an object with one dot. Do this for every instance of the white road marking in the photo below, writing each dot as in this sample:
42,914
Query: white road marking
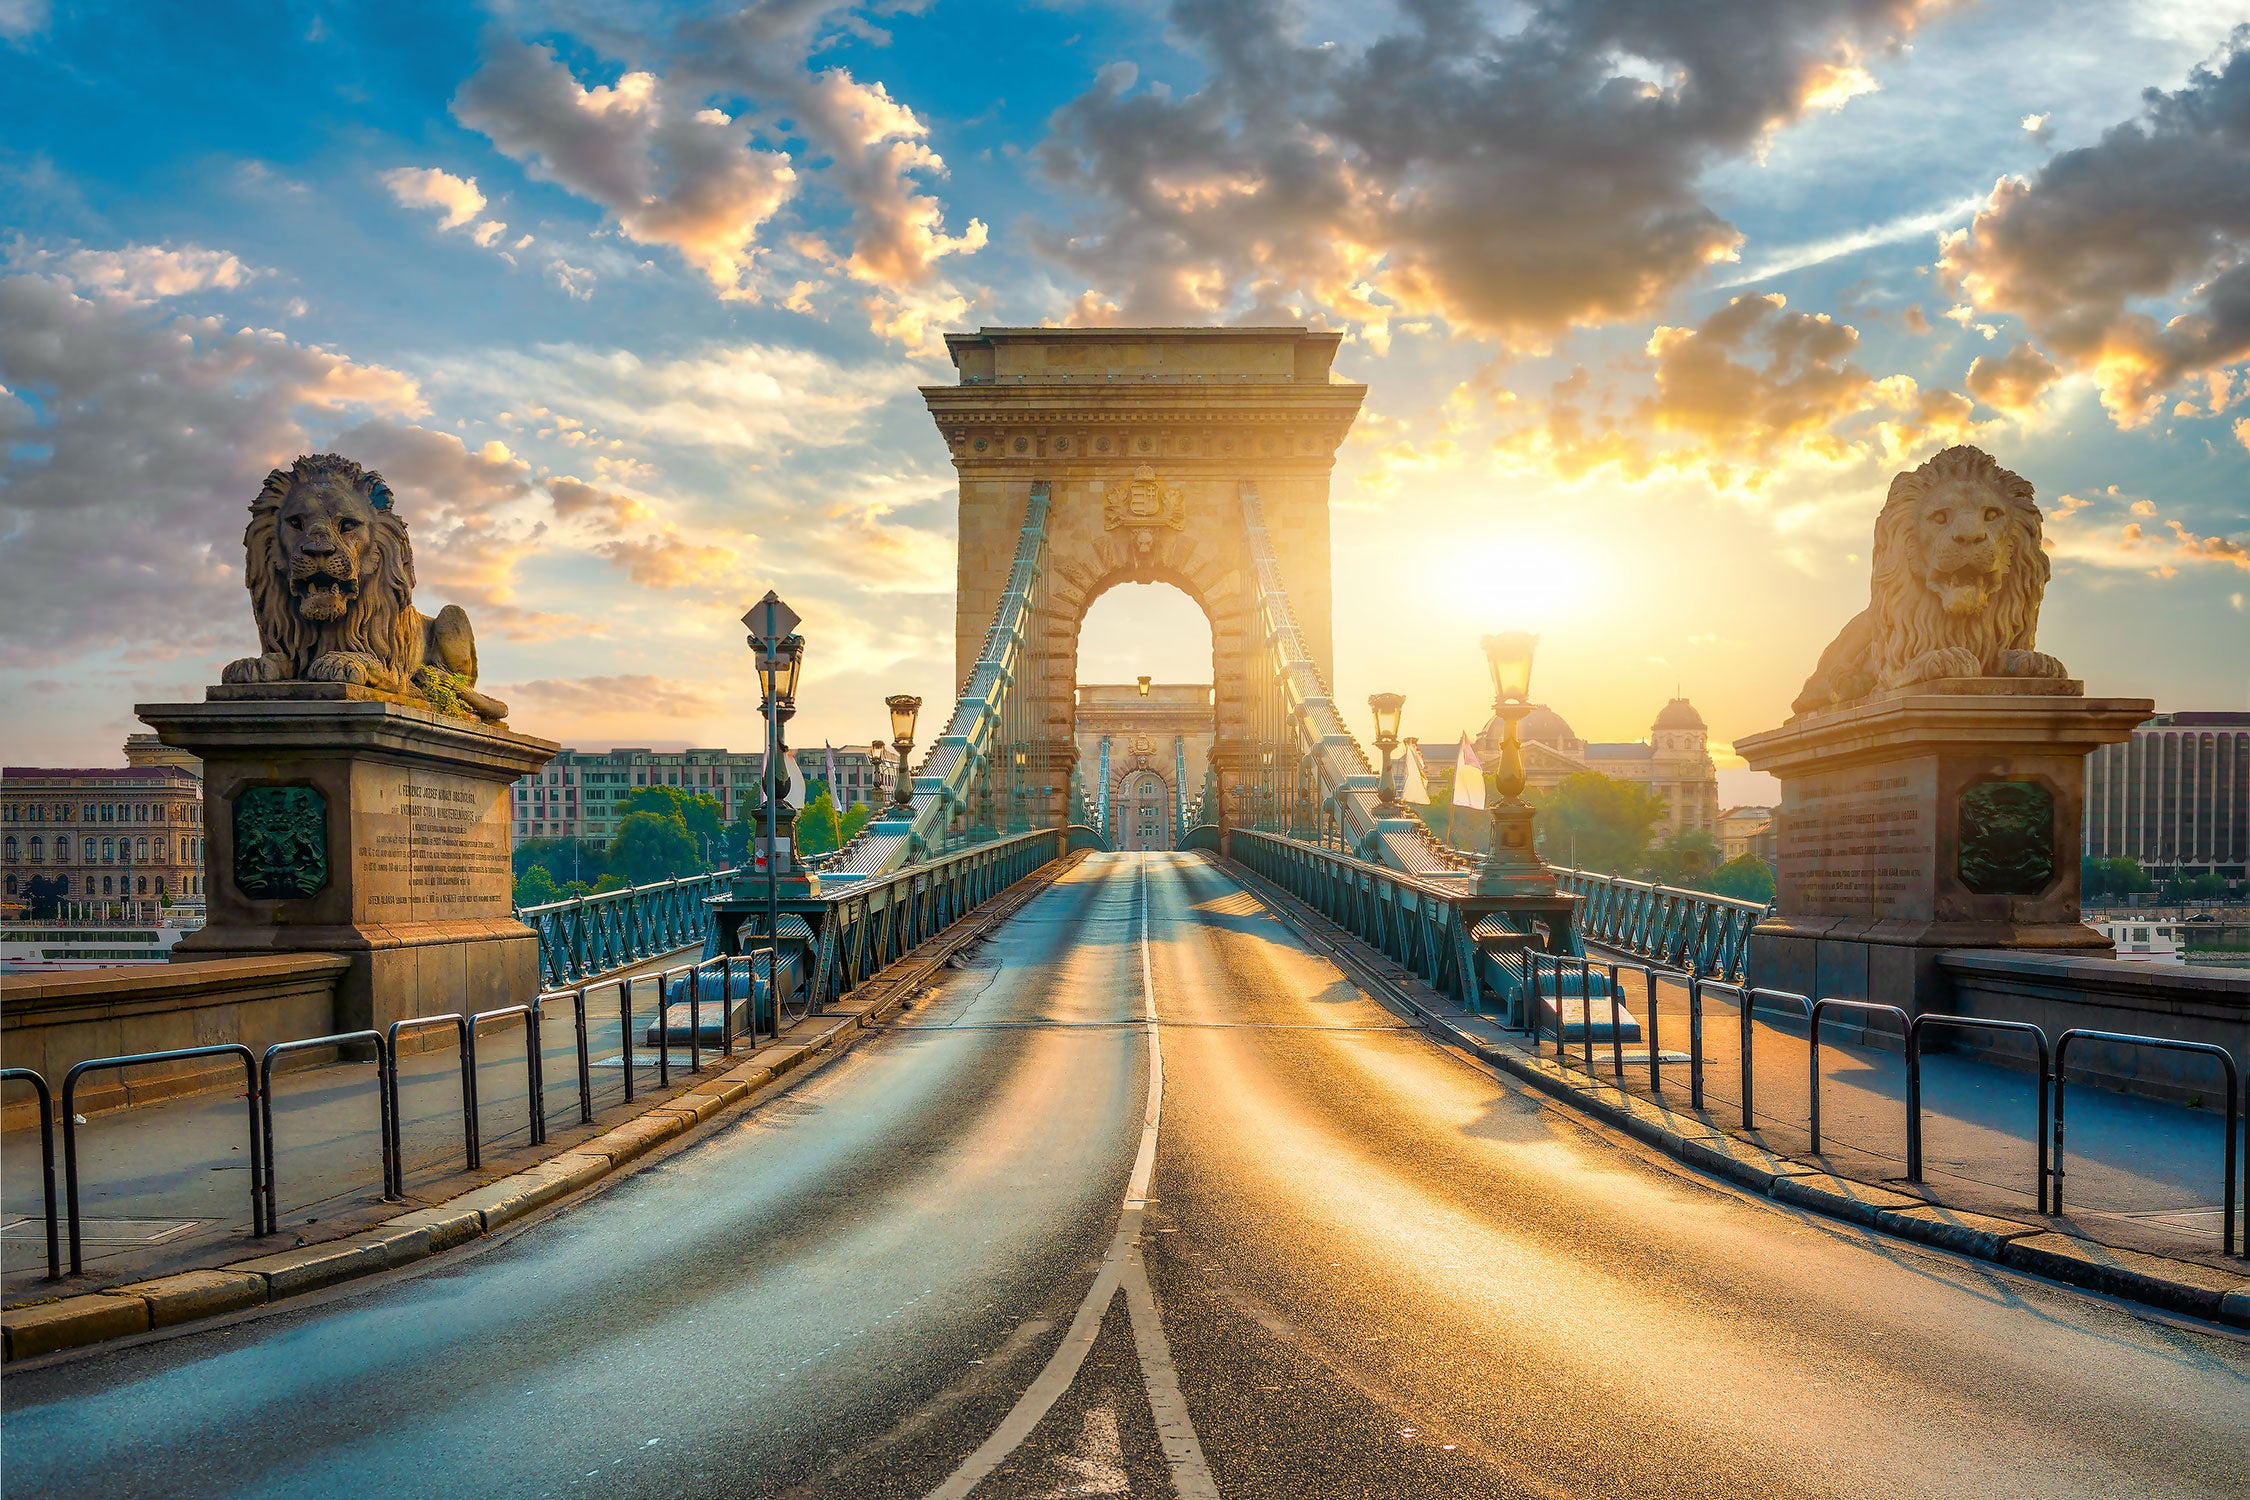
1122,1266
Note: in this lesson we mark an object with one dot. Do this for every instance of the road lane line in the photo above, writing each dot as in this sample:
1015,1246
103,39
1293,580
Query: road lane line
1191,1475
1121,1266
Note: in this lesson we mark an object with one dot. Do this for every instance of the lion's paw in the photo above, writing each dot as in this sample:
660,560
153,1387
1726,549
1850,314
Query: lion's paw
339,666
2031,664
1946,661
248,669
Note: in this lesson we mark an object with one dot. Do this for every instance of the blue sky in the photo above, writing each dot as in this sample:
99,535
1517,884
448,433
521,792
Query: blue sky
629,302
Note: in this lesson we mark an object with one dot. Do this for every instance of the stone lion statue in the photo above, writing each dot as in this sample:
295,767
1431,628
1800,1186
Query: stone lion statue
331,579
1958,577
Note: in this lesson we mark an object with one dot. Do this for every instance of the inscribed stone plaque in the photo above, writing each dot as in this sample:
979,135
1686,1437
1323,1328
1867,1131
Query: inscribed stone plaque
2007,837
1859,843
429,846
280,842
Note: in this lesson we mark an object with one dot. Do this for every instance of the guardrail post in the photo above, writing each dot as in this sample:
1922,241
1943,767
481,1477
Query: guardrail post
1695,1041
250,1096
46,1161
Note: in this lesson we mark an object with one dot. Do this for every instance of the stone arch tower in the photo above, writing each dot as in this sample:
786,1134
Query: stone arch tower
1144,436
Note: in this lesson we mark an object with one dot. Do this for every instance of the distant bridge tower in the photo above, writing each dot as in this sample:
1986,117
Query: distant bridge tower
1146,437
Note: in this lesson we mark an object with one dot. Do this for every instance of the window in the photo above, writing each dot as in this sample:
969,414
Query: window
160,848
109,853
107,889
140,850
11,885
38,851
144,885
62,848
10,848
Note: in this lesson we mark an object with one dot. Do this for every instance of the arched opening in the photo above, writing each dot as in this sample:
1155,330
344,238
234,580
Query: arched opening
1144,721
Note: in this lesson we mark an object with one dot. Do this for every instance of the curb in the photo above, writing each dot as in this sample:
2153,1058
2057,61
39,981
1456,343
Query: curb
119,1312
2174,1286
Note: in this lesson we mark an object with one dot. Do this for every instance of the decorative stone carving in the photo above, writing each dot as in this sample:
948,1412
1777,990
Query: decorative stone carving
1146,502
2007,834
280,842
331,580
1958,577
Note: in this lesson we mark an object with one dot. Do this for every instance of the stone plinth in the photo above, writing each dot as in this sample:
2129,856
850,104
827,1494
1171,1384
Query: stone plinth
1942,816
340,820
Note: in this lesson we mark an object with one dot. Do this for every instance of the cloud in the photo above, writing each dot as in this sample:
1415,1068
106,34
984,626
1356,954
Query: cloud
1835,247
138,273
1515,182
21,19
669,169
124,489
605,510
2012,382
669,561
2158,210
455,198
731,397
2160,549
639,693
1752,389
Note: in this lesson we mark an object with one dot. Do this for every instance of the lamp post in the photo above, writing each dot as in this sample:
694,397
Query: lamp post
876,795
904,707
1387,707
1511,866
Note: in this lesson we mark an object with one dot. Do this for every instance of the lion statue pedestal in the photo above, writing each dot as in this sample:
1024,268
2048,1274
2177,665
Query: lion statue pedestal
357,788
1933,779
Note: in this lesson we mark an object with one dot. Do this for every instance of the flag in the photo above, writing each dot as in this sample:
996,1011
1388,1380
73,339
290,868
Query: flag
835,787
1468,776
1412,787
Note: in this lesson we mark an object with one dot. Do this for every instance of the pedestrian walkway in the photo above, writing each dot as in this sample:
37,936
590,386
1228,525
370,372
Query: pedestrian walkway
2143,1173
162,1185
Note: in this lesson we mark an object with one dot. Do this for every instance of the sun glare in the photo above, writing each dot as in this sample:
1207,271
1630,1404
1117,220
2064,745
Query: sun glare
1532,584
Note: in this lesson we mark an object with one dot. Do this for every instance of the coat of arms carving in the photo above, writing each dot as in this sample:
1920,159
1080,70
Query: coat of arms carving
1146,502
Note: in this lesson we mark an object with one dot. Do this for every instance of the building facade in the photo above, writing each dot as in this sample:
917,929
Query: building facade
1749,830
1674,761
1159,737
120,842
2176,796
577,795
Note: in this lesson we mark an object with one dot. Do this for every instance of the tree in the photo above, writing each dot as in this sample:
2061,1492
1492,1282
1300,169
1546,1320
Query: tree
43,894
536,887
1745,878
1683,858
1597,822
855,818
652,846
2112,879
564,860
699,813
818,830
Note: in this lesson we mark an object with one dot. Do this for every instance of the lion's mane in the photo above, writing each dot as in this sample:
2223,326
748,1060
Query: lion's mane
1909,619
381,622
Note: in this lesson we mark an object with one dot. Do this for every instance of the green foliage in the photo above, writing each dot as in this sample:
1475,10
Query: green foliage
536,887
1604,820
564,860
698,813
1745,878
2112,879
2196,888
1683,858
607,883
854,819
818,829
652,846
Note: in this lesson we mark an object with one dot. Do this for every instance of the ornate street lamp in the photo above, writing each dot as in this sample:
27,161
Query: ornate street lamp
1511,866
875,793
904,707
1387,707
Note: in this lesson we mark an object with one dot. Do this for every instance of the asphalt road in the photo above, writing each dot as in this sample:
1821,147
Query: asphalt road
982,1256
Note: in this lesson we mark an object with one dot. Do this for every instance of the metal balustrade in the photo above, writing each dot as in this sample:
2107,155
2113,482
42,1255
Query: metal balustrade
1693,931
582,938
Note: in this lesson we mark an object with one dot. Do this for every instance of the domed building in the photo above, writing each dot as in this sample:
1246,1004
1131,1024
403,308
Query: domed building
1674,761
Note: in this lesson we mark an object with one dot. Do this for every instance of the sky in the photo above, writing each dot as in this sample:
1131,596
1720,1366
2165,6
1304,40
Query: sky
629,302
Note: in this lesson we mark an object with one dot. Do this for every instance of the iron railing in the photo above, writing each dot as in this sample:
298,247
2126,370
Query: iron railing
582,938
1694,931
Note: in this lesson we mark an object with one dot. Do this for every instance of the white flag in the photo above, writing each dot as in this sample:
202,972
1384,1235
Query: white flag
1468,776
1412,787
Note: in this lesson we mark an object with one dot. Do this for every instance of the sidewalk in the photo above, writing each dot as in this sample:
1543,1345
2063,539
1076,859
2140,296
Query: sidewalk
2139,1224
